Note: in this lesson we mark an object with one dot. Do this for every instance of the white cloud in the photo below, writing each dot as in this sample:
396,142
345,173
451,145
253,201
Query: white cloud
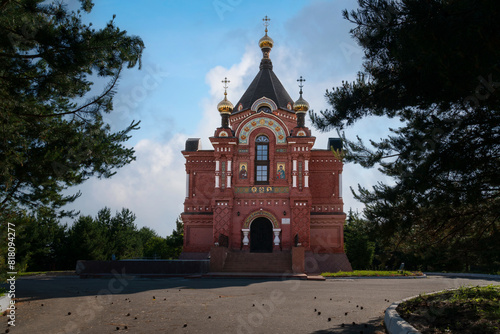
239,75
152,187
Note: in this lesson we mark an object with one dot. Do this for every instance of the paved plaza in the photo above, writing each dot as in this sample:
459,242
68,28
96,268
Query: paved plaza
178,305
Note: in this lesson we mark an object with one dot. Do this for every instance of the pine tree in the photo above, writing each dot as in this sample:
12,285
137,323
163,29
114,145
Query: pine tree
435,66
359,248
52,133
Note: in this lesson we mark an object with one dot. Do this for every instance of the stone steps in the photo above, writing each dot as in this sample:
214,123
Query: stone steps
278,262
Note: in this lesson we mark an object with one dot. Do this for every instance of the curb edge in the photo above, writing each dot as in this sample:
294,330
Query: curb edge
397,325
4,303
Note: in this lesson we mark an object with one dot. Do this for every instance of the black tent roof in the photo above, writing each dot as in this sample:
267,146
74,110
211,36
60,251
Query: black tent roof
267,84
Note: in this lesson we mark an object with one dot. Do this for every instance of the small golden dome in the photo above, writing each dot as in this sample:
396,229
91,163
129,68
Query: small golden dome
225,106
301,105
266,42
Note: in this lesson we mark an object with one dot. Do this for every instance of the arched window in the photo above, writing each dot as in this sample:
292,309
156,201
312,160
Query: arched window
261,160
265,109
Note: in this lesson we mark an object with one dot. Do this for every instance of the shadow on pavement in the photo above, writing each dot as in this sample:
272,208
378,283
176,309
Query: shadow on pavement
372,327
35,288
468,277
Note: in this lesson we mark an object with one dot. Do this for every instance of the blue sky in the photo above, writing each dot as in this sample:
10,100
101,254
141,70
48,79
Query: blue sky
190,47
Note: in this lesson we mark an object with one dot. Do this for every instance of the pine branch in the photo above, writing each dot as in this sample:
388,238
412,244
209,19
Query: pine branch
15,55
4,3
110,87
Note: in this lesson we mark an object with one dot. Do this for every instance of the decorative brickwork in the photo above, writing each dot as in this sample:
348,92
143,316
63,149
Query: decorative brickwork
222,221
300,223
261,190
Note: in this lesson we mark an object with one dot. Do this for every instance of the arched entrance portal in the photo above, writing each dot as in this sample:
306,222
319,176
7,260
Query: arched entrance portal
261,236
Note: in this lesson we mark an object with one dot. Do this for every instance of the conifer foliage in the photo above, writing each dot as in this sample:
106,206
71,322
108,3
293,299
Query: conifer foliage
434,65
52,133
43,243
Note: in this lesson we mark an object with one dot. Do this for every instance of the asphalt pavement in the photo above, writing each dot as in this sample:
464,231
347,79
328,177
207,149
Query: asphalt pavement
124,304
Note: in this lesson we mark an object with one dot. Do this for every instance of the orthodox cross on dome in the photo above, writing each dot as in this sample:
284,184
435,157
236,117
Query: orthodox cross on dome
225,82
266,44
301,106
266,22
301,83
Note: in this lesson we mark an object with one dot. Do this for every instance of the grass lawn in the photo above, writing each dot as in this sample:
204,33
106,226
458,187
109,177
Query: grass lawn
55,273
466,310
372,273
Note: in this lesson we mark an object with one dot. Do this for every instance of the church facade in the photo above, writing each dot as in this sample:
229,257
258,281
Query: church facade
264,188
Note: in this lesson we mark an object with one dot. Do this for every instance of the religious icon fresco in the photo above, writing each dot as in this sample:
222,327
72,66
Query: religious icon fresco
280,171
243,171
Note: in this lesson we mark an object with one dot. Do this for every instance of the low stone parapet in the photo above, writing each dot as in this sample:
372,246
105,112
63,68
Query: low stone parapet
142,267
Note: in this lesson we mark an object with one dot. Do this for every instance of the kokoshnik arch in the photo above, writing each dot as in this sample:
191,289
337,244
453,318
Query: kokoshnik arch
263,188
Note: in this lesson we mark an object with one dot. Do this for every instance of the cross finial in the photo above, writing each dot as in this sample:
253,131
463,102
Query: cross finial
301,83
266,22
225,82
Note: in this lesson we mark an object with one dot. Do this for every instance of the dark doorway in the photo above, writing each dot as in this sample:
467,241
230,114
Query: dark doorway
261,236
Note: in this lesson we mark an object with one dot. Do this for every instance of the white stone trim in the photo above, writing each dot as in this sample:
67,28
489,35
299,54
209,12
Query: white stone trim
340,185
264,101
276,232
245,231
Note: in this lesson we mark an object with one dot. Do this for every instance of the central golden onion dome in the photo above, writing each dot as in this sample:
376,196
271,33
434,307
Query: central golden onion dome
225,106
266,42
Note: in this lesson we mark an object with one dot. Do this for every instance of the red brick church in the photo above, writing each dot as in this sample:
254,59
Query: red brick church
264,188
